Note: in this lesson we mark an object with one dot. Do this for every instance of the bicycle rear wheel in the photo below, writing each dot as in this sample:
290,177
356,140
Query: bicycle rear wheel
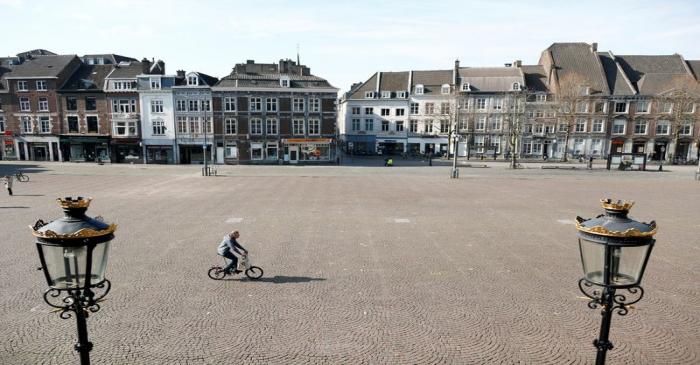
216,273
254,273
22,177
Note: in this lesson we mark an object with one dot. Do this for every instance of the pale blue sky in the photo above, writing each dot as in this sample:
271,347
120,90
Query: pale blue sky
346,41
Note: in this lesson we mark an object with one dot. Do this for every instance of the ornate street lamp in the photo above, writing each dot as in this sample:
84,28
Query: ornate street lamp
614,253
73,254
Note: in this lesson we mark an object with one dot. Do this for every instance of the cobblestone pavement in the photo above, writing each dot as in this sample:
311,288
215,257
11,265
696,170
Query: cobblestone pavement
363,265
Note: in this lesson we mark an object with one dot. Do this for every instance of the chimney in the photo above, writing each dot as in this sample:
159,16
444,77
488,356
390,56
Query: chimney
594,47
455,74
250,62
146,65
517,63
181,74
161,64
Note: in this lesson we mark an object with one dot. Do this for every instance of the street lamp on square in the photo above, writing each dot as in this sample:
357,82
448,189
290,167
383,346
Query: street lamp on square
73,251
614,252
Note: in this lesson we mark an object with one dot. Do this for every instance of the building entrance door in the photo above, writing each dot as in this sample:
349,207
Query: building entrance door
293,154
39,153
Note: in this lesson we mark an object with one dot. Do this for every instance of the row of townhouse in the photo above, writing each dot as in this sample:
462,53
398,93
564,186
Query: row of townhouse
576,101
118,109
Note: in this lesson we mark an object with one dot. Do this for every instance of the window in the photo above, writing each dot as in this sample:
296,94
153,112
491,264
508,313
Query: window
284,82
445,89
481,103
369,124
429,108
2,124
642,106
44,125
230,104
686,129
530,114
208,125
481,123
399,112
578,146
444,108
563,127
182,125
401,94
463,123
271,104
41,85
72,124
580,125
419,89
195,125
192,81
125,128
230,126
496,144
516,86
414,108
369,94
385,125
496,123
231,151
413,126
158,127
314,126
124,106
181,105
428,126
386,94
26,124
194,105
466,87
666,107
24,104
256,151
399,126
256,126
662,127
497,103
314,105
640,127
599,107
479,143
271,151
356,124
581,107
527,128
619,126
369,110
549,129
155,84
92,124
539,128
255,104
156,106
620,107
22,86
689,108
597,126
541,98
271,126
298,126
444,126
206,105
385,111
527,148
71,103
43,104
90,103
355,110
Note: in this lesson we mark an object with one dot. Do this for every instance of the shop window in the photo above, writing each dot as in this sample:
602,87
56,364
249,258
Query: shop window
92,124
72,124
256,151
272,151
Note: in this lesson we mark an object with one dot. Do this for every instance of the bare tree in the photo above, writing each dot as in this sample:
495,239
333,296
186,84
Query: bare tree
677,105
569,92
513,120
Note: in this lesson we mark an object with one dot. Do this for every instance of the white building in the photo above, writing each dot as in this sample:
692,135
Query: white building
157,118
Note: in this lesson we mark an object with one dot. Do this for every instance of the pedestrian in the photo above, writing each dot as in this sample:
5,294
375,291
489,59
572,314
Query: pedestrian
430,159
8,184
590,162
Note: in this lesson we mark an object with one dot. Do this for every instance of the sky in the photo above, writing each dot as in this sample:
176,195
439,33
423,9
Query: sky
346,42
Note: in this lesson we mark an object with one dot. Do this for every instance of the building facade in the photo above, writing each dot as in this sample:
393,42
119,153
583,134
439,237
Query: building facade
274,114
194,131
157,118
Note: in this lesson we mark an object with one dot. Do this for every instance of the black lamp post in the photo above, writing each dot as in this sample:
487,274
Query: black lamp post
73,254
614,252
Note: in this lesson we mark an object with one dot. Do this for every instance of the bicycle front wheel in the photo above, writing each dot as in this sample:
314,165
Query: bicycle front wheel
23,177
254,272
216,273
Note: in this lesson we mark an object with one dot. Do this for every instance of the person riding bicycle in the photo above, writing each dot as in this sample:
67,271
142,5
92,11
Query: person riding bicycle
229,244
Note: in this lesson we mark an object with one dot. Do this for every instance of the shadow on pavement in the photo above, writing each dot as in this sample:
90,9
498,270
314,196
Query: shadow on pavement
28,195
287,279
11,168
14,207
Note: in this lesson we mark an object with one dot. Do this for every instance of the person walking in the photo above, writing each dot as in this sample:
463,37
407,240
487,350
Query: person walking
590,162
8,184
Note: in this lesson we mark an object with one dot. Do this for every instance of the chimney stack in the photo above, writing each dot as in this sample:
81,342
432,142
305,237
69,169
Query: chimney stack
594,47
181,74
517,63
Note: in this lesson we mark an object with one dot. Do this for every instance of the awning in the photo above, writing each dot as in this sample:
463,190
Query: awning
307,140
81,139
361,138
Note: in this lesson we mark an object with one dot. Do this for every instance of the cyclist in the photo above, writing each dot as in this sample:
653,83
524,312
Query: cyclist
229,244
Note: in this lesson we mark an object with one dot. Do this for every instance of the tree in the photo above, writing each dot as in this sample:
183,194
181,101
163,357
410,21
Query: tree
677,105
513,119
569,92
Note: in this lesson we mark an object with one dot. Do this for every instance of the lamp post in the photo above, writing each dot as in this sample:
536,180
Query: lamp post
73,254
455,170
205,172
614,253
663,156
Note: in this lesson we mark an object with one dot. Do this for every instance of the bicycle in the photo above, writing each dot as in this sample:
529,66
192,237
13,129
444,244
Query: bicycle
252,272
21,177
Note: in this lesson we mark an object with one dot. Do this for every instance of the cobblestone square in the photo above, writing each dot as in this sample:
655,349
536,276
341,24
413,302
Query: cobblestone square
363,265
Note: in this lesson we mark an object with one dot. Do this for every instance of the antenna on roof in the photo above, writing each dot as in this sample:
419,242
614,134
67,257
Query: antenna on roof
298,62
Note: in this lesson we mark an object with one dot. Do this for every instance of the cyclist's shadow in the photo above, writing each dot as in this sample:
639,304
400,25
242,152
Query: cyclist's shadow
285,279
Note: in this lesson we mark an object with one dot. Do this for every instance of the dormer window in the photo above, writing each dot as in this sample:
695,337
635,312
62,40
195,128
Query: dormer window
419,89
192,80
155,84
284,81
369,94
466,87
516,86
401,94
386,94
445,89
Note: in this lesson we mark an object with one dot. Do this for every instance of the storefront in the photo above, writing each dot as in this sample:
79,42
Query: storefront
391,146
308,150
194,153
38,148
159,154
361,144
126,150
85,149
8,147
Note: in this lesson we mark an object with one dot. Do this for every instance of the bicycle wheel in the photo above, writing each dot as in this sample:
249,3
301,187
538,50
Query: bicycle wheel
254,272
22,177
216,273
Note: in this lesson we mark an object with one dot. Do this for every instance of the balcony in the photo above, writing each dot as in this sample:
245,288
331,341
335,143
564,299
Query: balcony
124,115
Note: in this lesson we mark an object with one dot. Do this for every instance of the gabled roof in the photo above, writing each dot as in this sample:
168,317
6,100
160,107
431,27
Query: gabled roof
206,79
695,67
656,74
535,78
88,78
272,81
35,52
491,79
579,60
369,85
42,66
127,71
393,81
617,80
110,57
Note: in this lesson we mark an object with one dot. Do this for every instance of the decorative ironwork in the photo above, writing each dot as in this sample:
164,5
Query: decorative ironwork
618,302
625,205
600,230
79,202
40,223
83,233
73,300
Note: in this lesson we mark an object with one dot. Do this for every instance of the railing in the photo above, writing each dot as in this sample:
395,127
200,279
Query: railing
125,115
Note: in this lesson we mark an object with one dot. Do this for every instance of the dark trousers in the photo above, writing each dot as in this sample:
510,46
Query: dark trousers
9,191
234,260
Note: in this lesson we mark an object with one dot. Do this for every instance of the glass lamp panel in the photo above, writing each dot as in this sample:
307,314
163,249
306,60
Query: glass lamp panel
65,266
99,262
627,263
593,260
